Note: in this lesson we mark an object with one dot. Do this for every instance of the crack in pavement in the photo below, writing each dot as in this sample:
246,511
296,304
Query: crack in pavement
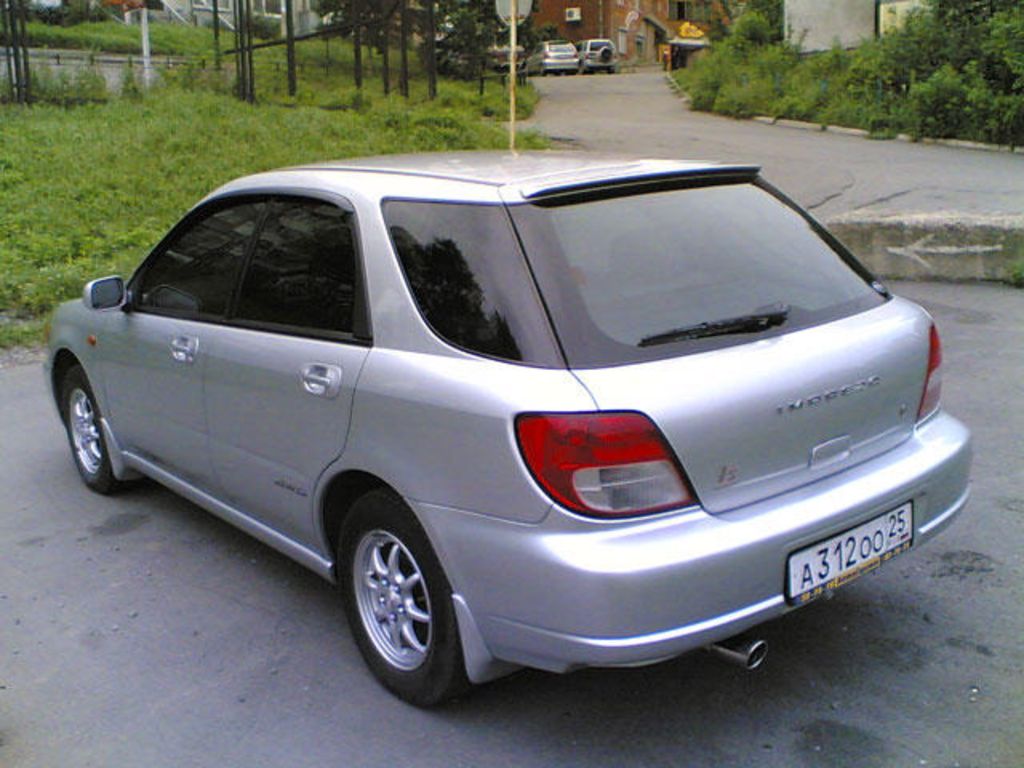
884,199
828,198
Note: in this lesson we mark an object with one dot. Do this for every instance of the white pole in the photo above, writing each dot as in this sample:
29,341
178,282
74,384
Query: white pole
147,63
513,22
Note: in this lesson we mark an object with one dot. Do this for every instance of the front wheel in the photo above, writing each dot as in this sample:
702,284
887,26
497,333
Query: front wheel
399,603
81,416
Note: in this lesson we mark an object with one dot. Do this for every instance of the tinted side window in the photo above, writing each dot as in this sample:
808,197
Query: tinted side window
195,275
302,273
469,279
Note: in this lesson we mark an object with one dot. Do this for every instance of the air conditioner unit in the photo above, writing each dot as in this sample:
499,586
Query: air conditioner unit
573,14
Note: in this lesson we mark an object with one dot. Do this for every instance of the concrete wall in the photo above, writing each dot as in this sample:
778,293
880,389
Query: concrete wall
821,22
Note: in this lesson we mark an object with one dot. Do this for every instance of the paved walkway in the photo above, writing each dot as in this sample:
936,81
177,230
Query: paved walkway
908,209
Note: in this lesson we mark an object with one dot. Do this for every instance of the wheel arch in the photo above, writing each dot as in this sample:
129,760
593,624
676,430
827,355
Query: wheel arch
63,361
339,496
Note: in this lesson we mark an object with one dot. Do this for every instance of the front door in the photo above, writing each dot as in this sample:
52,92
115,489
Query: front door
156,354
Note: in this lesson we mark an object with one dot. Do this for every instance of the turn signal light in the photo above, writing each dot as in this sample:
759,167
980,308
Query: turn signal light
604,464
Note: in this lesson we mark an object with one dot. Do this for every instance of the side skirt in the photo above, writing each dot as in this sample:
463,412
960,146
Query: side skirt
300,554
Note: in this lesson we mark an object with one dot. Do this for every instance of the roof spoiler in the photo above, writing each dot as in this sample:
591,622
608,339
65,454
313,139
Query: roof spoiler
633,179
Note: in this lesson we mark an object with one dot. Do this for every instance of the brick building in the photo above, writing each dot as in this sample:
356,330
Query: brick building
637,27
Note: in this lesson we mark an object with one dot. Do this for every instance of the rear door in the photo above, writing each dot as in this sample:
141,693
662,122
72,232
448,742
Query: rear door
280,376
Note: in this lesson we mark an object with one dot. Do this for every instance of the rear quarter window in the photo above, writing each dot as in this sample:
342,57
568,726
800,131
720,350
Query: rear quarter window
469,280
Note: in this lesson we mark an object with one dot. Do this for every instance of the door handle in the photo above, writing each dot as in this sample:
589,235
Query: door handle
321,380
184,348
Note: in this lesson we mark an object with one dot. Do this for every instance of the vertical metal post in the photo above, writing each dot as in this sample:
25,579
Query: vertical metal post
513,72
26,83
357,41
431,52
147,62
289,32
385,54
216,34
251,95
236,9
403,80
8,49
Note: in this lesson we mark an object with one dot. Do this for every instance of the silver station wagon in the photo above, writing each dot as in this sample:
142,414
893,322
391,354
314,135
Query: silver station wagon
550,410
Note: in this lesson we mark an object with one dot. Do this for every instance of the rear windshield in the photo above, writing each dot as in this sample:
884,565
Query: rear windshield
621,271
564,48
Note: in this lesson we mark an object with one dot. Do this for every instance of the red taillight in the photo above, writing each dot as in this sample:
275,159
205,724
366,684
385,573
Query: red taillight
608,464
933,380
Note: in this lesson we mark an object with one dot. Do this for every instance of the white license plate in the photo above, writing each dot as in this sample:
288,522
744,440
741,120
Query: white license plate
833,562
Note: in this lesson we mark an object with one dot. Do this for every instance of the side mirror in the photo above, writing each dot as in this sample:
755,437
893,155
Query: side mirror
105,293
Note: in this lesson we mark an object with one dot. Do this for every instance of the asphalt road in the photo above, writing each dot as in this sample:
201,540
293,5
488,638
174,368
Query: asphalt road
137,630
832,175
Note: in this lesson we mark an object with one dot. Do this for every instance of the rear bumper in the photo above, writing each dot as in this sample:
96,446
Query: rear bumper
556,65
569,593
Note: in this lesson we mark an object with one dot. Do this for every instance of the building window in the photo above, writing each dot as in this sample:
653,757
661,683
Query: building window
690,10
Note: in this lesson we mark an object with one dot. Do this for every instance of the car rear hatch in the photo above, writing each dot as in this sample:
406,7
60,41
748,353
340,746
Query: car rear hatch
764,353
757,419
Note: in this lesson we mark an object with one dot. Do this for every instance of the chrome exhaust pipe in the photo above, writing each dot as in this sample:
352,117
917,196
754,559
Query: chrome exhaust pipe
743,652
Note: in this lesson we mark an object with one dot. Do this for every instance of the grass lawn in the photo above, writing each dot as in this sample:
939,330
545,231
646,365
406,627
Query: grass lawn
87,191
111,37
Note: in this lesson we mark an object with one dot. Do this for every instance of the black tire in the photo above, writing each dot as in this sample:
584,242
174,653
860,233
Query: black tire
81,413
606,55
423,676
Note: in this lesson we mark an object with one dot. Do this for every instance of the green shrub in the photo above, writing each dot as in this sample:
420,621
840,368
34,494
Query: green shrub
67,87
1005,45
752,29
1015,274
940,105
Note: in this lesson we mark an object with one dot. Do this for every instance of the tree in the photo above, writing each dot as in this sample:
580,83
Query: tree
467,29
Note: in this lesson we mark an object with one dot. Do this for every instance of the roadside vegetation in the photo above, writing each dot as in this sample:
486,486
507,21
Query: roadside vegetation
89,188
956,70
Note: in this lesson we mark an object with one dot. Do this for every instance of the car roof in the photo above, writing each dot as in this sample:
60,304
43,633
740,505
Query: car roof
532,174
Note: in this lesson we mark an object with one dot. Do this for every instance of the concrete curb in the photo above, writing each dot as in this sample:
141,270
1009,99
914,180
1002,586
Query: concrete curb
936,246
843,130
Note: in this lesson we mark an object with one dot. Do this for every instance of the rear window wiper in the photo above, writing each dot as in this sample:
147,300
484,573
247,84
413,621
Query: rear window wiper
769,317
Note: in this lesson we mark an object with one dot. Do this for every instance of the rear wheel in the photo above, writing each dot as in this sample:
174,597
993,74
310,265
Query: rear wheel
85,435
399,603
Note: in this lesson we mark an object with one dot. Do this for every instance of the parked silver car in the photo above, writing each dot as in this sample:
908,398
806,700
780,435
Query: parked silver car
551,410
559,58
598,56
